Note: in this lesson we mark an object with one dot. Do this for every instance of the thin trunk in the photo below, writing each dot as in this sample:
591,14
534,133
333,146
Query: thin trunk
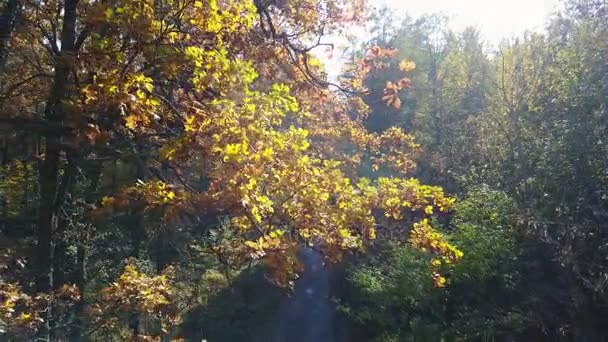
60,261
8,20
4,159
47,224
80,276
50,202
60,256
436,104
3,201
80,281
517,152
138,236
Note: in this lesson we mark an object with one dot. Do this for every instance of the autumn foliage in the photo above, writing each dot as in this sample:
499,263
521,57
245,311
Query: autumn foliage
227,91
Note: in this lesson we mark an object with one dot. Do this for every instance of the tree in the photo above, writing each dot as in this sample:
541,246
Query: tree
159,114
526,121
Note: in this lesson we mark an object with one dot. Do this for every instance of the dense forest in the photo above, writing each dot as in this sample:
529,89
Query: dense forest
184,170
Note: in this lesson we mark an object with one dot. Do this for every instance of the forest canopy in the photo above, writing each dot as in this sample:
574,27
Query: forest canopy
161,159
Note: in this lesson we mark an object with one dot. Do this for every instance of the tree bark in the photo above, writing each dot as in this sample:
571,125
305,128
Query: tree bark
8,21
80,275
50,202
60,262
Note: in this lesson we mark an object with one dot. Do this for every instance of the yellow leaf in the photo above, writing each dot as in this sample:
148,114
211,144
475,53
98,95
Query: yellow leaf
344,233
372,234
131,121
440,281
107,201
268,152
406,65
25,316
252,244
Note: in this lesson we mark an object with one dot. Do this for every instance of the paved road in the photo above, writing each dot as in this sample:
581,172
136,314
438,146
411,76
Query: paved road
307,316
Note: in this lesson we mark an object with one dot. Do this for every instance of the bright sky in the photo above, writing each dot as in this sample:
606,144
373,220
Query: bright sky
496,19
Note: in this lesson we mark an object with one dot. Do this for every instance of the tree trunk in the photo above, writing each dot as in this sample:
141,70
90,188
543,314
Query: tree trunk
138,237
60,262
80,280
80,275
8,20
50,200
